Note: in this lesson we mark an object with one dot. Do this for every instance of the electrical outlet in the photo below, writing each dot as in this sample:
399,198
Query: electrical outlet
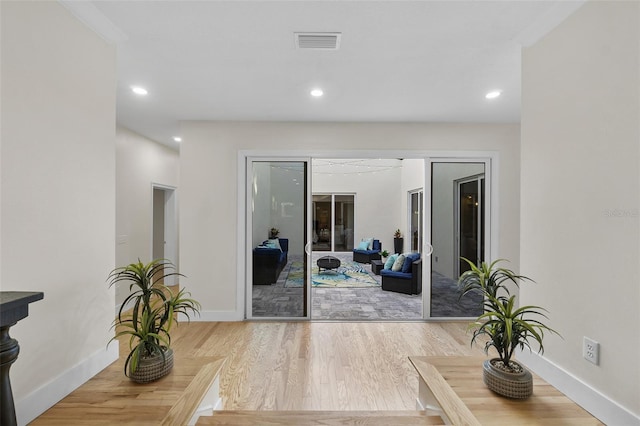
590,350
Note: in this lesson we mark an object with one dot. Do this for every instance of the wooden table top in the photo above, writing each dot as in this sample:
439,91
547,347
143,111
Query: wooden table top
463,374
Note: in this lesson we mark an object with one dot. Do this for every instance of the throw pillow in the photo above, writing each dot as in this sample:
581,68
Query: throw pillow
397,265
369,242
409,258
274,243
390,260
364,245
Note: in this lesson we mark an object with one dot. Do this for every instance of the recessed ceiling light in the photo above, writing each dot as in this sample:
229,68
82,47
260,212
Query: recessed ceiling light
177,138
316,93
139,90
492,95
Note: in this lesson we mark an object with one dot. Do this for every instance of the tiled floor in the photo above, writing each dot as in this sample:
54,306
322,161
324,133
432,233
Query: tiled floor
371,303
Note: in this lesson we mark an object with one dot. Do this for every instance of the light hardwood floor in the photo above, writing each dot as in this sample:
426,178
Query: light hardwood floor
296,365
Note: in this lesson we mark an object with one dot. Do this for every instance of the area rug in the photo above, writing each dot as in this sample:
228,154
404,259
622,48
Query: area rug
349,274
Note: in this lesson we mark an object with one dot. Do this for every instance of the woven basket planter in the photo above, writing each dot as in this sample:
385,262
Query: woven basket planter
511,385
152,369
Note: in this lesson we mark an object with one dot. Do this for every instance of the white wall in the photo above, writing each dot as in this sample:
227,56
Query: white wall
261,187
58,171
140,162
278,202
209,170
378,197
580,232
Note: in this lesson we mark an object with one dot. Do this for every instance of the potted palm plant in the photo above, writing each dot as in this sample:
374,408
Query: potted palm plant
505,326
398,241
148,324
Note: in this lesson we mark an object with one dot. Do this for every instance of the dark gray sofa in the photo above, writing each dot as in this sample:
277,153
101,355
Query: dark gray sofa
403,282
269,262
366,256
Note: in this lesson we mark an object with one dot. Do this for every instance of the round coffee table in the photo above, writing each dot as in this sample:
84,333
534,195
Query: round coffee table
328,263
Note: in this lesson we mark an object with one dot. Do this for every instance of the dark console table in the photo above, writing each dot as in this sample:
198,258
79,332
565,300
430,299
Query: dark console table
14,306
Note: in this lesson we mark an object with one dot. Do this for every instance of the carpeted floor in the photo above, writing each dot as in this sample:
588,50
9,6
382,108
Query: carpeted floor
353,303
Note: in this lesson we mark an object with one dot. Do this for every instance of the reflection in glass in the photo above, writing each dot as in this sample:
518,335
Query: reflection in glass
333,220
416,221
470,213
278,223
457,224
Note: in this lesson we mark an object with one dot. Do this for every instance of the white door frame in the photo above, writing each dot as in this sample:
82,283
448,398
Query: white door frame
170,226
491,185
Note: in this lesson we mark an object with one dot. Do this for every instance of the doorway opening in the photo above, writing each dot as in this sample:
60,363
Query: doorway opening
358,200
164,236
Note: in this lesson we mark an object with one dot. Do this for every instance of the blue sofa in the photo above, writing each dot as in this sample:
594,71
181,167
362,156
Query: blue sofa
409,282
366,256
269,262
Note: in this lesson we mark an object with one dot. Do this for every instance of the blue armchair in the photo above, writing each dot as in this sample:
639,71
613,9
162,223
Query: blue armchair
409,282
366,256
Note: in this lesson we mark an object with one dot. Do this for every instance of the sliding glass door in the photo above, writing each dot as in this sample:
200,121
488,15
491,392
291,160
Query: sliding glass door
459,207
277,239
333,222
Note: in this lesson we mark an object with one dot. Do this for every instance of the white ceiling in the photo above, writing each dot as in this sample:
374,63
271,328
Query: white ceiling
424,61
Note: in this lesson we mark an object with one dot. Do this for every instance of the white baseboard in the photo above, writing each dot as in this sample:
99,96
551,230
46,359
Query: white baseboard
596,403
45,397
218,316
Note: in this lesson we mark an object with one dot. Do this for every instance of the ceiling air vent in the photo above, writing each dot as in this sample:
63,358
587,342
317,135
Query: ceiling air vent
324,41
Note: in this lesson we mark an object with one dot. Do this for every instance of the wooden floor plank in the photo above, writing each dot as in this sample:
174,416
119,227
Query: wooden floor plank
325,366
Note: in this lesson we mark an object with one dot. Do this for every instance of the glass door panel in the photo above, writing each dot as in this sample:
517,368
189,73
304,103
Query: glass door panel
416,220
333,222
469,207
343,222
456,225
322,222
277,229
